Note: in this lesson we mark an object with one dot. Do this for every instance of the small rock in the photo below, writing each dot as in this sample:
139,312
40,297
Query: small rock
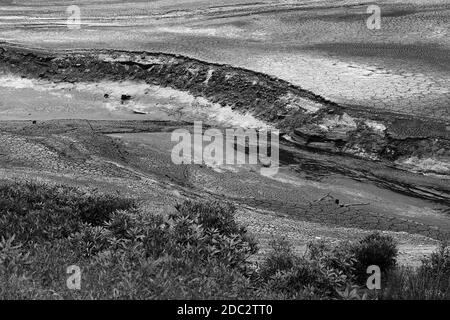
125,97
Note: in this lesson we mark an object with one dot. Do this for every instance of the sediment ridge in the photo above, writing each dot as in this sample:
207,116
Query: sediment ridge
304,118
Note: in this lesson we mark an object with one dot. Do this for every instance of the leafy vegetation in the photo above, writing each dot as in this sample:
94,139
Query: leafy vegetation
198,253
375,249
431,281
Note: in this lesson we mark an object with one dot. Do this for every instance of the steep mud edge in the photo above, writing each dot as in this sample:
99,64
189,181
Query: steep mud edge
307,120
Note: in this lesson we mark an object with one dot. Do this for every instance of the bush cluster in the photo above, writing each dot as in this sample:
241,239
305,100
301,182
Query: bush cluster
36,213
375,249
199,252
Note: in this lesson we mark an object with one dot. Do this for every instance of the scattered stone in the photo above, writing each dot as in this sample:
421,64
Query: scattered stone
125,97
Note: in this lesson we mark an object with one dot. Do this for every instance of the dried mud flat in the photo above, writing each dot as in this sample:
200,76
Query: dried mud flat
347,167
322,46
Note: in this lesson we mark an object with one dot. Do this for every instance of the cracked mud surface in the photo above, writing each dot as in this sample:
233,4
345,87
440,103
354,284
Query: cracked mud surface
78,151
317,45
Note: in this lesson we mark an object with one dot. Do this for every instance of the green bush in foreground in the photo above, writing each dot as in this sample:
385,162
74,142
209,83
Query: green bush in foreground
35,213
375,249
430,281
123,252
198,253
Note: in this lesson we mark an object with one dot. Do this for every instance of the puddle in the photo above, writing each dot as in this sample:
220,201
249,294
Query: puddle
22,98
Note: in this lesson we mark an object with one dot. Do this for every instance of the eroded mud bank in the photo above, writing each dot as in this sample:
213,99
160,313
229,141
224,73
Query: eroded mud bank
308,119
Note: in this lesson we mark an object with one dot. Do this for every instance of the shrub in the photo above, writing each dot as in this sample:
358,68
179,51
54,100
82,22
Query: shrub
339,259
211,215
280,258
374,249
178,256
438,262
39,212
430,281
318,274
200,252
304,278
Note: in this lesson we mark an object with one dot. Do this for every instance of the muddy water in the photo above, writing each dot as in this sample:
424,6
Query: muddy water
29,99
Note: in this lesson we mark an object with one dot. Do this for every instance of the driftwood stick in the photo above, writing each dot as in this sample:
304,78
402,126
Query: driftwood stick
355,204
320,199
